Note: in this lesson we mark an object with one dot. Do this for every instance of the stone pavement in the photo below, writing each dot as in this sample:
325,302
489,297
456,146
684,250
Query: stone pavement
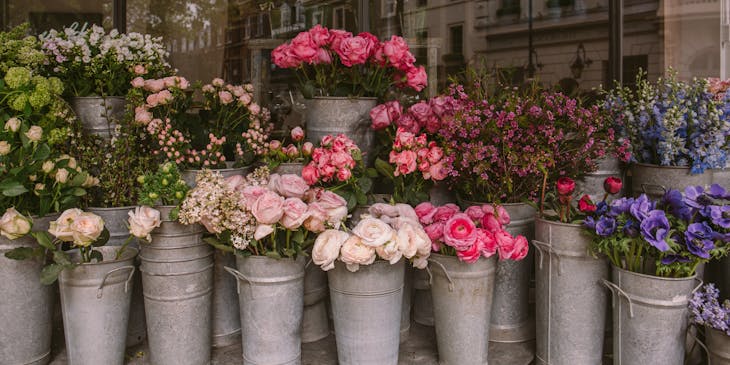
419,349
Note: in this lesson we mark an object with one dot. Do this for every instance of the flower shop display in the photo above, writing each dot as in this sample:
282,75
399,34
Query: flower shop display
342,76
677,131
706,310
655,248
366,277
289,159
463,266
569,294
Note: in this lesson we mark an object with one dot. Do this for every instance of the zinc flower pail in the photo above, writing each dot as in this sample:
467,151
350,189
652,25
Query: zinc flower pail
592,183
271,297
366,308
189,175
462,306
115,220
99,115
25,335
422,299
718,347
294,168
570,296
226,317
177,283
95,303
315,320
655,180
649,317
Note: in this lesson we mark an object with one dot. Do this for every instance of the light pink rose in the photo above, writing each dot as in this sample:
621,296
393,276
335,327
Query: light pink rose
487,242
245,99
295,213
61,227
438,171
225,97
475,212
139,70
307,148
262,231
471,254
317,216
297,134
521,248
373,232
425,212
153,100
252,193
235,182
86,228
390,251
154,85
406,211
503,215
268,208
354,51
446,211
406,162
142,116
142,220
354,252
505,244
13,224
330,200
378,210
137,82
289,185
170,81
183,83
326,248
435,154
417,78
218,82
421,111
460,232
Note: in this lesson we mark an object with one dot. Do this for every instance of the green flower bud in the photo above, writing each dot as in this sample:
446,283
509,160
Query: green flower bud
17,77
167,167
140,179
179,195
165,182
153,196
19,102
39,98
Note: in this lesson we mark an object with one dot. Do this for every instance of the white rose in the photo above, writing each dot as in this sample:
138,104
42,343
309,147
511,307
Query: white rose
61,227
373,232
13,124
390,251
4,148
48,167
355,253
142,220
13,224
86,228
327,248
420,262
34,133
61,176
411,239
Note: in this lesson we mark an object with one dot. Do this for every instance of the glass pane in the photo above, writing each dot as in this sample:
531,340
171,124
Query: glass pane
45,14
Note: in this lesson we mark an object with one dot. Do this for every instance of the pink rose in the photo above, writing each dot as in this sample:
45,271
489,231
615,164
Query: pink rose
439,105
398,53
417,78
282,57
435,154
295,213
310,174
433,124
379,117
460,232
336,37
408,123
137,82
317,216
471,254
354,252
438,171
152,100
235,182
182,82
245,99
164,96
344,174
373,41
502,215
425,212
289,185
252,193
262,231
323,57
268,208
354,51
154,85
475,212
490,222
445,212
225,97
170,81
142,116
217,82
487,242
307,148
505,244
142,220
327,247
406,162
303,47
330,200
297,134
521,248
421,111
320,35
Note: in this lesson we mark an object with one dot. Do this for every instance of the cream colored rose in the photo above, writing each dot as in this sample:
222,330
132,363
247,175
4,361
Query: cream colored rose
13,124
48,167
420,262
61,227
327,248
142,220
373,232
61,176
90,181
355,253
390,251
34,134
72,163
4,148
13,224
86,228
412,240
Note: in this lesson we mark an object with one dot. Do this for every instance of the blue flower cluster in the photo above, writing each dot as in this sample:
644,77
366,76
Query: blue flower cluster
705,309
673,123
678,229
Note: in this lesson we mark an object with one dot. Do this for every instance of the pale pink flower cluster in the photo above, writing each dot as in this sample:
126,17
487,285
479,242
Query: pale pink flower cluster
212,156
171,143
255,139
78,227
218,92
161,92
333,161
478,231
390,232
413,153
292,152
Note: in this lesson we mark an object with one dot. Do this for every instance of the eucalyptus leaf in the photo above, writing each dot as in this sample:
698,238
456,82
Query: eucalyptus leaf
43,239
103,238
22,253
50,273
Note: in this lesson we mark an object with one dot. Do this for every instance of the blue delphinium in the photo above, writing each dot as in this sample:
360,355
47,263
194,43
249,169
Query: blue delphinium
705,309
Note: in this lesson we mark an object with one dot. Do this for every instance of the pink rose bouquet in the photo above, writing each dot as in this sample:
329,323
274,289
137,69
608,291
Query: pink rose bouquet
388,232
272,215
337,165
477,231
333,62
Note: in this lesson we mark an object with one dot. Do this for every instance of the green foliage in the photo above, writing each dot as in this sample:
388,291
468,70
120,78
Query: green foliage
163,187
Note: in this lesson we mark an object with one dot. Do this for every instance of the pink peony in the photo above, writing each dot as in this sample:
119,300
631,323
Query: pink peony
475,212
425,212
505,244
354,51
471,254
460,232
295,213
320,35
139,70
445,212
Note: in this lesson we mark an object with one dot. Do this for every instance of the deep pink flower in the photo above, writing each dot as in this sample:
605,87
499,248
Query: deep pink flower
471,254
354,51
460,232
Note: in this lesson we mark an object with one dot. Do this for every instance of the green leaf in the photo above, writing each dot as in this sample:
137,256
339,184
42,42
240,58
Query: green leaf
362,199
298,237
103,238
289,252
22,253
351,201
44,239
96,255
78,192
384,168
49,274
42,152
273,254
61,258
365,183
78,180
11,188
218,245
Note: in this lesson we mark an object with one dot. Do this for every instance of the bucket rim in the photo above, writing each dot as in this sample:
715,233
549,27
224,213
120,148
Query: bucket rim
687,278
117,97
649,165
354,99
125,256
227,169
547,221
111,209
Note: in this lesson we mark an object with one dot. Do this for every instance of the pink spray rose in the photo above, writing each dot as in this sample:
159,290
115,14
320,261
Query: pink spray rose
310,174
268,208
460,232
137,82
295,213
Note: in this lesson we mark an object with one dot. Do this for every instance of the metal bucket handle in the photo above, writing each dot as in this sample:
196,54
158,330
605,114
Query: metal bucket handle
306,266
698,341
540,246
615,290
448,277
100,290
644,187
241,277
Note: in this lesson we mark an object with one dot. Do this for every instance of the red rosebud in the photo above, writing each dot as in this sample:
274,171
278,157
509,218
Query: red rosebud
565,186
612,185
585,204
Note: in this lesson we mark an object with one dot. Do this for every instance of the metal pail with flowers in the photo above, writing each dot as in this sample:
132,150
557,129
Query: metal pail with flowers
99,115
592,183
315,320
655,180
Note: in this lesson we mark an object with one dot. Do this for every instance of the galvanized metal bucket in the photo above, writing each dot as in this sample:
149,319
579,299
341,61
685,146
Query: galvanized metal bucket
226,317
462,304
722,176
592,183
271,296
115,220
440,194
366,307
335,115
655,180
95,302
718,347
405,316
25,335
422,299
315,321
570,296
99,115
649,317
177,281
294,168
189,175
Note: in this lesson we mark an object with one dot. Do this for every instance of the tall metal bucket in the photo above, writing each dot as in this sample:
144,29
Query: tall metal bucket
99,115
511,319
95,302
462,304
366,307
189,175
655,180
294,168
115,220
335,115
570,296
271,296
422,299
405,315
226,314
315,320
649,317
25,335
592,183
177,281
718,347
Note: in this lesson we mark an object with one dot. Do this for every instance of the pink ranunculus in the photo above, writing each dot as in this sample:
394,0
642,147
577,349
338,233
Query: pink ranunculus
268,208
225,97
411,238
344,174
417,78
471,254
490,222
398,53
521,248
421,111
336,37
435,231
303,47
380,117
354,51
460,232
297,134
291,186
389,251
445,212
154,85
425,212
475,212
373,232
487,242
406,162
317,216
295,213
355,252
251,193
505,244
137,82
320,35
502,215
310,174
